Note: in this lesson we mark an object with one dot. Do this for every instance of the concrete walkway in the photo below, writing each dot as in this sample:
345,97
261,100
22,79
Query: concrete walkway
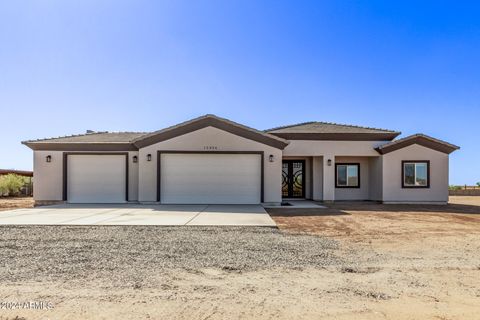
138,214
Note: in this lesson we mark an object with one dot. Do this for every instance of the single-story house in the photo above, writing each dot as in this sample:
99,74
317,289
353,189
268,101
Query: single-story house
211,160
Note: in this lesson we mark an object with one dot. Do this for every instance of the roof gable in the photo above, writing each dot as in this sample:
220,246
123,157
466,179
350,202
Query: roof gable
420,139
210,121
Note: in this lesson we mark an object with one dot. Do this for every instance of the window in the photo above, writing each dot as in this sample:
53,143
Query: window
415,174
347,175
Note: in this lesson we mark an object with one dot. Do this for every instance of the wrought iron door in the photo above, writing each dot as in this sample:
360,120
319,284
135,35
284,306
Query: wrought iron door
293,178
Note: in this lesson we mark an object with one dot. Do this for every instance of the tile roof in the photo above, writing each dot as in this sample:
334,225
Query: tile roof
325,127
93,137
420,139
117,141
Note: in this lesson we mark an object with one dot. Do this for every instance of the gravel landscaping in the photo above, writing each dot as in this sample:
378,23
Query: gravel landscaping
346,261
123,253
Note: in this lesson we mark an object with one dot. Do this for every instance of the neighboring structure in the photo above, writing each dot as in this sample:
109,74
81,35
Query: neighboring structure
22,173
214,160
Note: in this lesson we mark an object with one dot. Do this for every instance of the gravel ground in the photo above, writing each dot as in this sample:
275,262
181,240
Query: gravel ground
127,253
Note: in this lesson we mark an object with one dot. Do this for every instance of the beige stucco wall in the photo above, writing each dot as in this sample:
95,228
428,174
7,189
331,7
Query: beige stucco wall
132,177
198,141
317,176
361,193
337,148
375,178
380,175
48,176
392,176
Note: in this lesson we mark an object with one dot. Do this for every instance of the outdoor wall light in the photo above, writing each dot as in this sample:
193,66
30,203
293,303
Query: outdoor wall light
149,157
270,158
48,158
135,159
329,162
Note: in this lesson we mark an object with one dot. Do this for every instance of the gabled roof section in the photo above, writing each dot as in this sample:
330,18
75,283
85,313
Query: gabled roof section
332,131
420,139
210,120
107,141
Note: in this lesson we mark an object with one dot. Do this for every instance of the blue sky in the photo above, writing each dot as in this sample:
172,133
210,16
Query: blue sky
69,66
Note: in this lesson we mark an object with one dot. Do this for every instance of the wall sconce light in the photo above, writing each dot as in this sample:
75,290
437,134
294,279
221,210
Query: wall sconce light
135,159
329,162
48,158
271,158
149,157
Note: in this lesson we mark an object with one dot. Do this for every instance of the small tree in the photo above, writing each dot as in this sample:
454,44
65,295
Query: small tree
478,184
11,184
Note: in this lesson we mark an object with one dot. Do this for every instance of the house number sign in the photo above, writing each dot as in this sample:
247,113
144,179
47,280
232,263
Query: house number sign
209,147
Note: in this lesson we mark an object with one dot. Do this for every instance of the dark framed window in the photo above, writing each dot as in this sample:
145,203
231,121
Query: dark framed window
416,174
347,175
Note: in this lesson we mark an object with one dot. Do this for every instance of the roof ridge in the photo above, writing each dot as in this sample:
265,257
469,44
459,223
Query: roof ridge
290,126
330,123
357,126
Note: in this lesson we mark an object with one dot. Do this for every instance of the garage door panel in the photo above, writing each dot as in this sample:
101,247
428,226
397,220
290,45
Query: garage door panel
96,178
211,178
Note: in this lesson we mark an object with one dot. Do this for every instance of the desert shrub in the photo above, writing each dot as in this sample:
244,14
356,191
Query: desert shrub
11,184
452,187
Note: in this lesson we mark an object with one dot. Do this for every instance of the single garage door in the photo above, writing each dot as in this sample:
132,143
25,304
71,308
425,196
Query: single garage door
96,178
210,178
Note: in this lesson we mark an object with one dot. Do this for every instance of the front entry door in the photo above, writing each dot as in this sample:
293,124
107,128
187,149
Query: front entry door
293,178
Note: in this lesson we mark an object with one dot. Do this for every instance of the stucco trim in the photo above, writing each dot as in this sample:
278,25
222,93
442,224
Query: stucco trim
159,166
210,121
65,169
420,139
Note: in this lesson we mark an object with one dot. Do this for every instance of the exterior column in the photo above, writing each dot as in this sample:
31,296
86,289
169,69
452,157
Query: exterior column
329,178
317,177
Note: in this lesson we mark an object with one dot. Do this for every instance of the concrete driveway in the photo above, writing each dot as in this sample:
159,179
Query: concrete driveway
139,214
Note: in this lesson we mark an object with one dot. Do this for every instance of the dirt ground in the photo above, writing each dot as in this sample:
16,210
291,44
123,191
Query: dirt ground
400,262
10,203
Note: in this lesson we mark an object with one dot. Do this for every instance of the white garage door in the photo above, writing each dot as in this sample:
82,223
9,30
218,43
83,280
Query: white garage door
210,178
96,178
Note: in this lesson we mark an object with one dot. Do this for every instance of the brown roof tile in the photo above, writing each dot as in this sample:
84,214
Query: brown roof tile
420,139
332,131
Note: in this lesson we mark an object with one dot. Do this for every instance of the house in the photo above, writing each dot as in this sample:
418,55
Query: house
217,161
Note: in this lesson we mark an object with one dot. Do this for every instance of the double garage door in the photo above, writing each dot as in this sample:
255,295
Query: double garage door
185,178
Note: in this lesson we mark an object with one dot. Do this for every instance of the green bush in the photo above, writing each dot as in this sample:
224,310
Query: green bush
452,187
478,184
11,184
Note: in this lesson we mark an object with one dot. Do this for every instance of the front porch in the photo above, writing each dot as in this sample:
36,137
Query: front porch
332,178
